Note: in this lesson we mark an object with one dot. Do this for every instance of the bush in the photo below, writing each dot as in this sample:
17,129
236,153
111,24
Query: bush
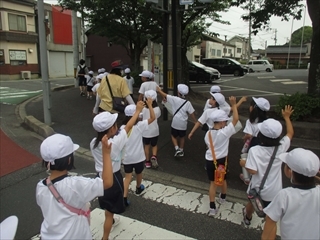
305,106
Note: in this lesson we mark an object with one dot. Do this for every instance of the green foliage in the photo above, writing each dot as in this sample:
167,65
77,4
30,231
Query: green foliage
297,34
305,106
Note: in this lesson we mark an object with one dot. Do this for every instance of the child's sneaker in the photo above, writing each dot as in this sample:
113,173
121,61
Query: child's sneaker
154,161
245,220
221,200
116,220
212,212
148,164
246,182
126,202
140,189
181,153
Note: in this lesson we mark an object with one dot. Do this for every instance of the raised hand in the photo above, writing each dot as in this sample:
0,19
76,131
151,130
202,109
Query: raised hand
287,111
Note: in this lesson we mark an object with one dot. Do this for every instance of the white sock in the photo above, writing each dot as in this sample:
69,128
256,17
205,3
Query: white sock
176,148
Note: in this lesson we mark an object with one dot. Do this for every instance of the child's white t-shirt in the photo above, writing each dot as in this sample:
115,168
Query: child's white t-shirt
204,118
59,222
258,159
251,128
117,151
153,129
180,120
148,85
298,212
95,88
98,100
90,80
134,152
130,83
220,139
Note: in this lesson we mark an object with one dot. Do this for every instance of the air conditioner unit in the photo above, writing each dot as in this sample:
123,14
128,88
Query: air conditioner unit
25,74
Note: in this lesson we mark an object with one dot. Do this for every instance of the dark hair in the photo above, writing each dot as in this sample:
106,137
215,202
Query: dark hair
101,134
154,104
268,142
126,120
61,164
116,71
217,104
302,179
82,61
256,113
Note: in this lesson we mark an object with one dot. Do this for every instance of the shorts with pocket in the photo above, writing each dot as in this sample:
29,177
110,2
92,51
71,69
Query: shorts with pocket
178,133
153,141
211,168
138,167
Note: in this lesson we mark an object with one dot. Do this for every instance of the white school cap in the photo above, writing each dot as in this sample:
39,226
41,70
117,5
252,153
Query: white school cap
57,146
270,128
103,70
100,76
219,116
301,161
215,89
130,110
127,70
151,75
104,121
262,103
90,72
183,89
150,94
99,71
219,98
8,228
145,73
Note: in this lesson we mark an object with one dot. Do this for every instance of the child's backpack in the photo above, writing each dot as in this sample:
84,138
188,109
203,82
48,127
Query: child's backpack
82,69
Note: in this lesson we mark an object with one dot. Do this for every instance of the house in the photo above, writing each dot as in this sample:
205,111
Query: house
18,40
214,47
280,54
241,47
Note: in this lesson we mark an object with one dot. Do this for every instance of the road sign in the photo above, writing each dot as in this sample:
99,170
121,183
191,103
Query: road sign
186,2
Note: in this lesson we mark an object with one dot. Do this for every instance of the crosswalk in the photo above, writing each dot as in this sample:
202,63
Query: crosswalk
15,96
181,199
285,81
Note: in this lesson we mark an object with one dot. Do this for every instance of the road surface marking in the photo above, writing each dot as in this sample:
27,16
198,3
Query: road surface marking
267,77
295,82
280,80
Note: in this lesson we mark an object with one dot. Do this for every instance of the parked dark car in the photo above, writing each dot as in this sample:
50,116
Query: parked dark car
200,73
226,66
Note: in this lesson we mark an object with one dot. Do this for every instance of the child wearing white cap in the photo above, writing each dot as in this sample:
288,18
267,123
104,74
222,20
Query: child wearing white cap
147,83
224,106
66,217
297,207
150,136
95,110
259,157
134,154
258,113
130,80
105,123
217,141
90,82
182,109
8,228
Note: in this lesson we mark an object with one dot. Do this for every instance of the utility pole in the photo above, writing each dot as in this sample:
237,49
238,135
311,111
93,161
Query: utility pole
83,32
174,44
225,46
304,18
75,46
288,59
265,48
165,54
275,37
44,64
249,49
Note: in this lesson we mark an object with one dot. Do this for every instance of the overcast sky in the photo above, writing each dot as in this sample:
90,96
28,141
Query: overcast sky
239,27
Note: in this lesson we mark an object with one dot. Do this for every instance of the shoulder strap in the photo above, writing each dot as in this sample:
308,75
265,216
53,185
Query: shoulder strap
180,107
58,197
268,168
109,86
214,154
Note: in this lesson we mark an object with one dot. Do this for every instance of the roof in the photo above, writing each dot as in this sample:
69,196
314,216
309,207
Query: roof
215,39
285,49
242,39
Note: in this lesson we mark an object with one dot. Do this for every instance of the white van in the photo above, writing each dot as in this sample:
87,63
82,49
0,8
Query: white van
259,66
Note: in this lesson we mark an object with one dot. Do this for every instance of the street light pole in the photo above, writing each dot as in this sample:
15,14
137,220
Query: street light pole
165,54
288,59
174,44
304,18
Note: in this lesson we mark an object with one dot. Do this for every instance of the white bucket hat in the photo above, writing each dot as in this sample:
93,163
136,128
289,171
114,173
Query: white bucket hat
104,121
219,98
218,116
127,70
215,89
8,228
262,103
270,128
150,94
130,110
57,146
145,73
183,89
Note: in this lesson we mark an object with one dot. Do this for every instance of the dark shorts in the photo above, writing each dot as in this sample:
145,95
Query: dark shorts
138,167
153,141
82,81
112,199
178,133
266,203
89,88
211,168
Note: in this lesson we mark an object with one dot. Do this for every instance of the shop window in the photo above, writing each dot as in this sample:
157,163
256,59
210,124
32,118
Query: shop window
17,23
18,57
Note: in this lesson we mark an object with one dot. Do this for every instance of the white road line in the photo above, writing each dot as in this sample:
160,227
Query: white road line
280,80
267,77
4,87
295,82
18,93
16,96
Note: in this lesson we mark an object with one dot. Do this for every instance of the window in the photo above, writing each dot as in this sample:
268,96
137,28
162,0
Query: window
18,57
0,22
219,53
238,50
257,62
213,52
17,22
1,57
229,50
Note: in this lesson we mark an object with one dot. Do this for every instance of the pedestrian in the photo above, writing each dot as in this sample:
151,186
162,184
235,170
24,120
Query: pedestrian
90,82
297,208
225,106
95,110
181,108
260,155
147,83
134,156
82,70
130,80
64,200
112,200
8,228
151,135
118,86
258,113
217,141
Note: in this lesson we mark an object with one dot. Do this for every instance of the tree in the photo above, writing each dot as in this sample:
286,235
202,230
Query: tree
297,35
260,17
